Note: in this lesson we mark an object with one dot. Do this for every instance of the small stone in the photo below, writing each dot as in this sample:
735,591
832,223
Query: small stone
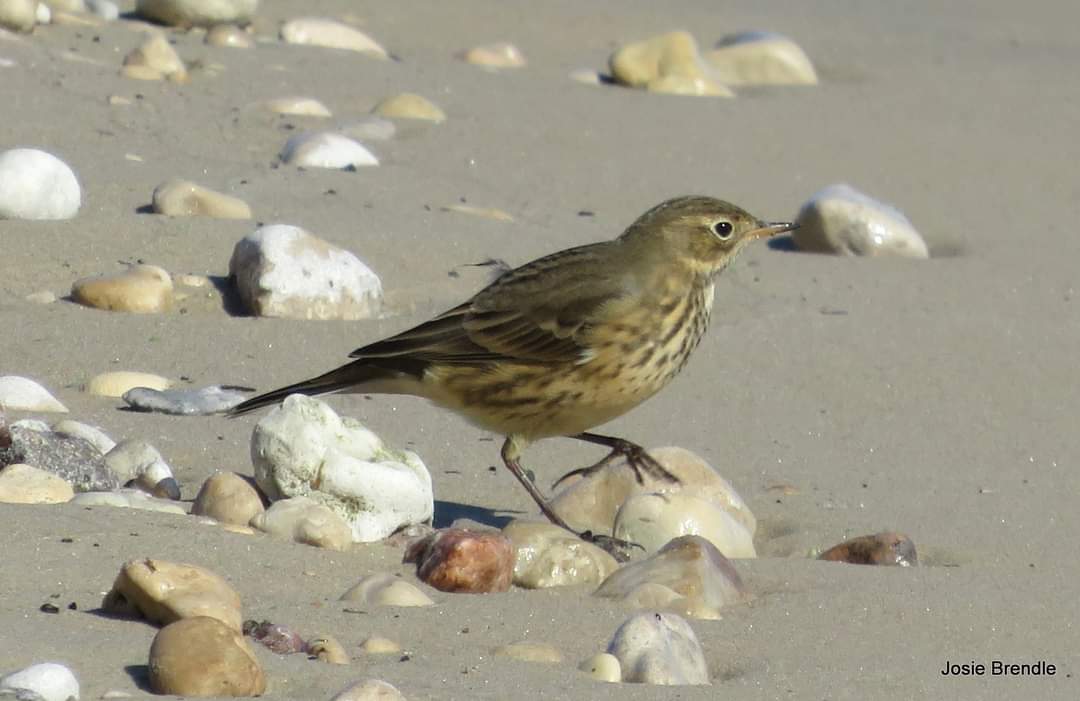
586,76
155,59
483,212
652,520
667,63
74,460
228,498
197,13
279,639
376,645
105,9
163,592
603,667
659,648
840,219
688,576
498,55
114,384
549,556
43,15
119,100
129,499
303,448
760,58
457,560
24,484
878,549
67,5
183,198
525,651
35,184
326,150
91,434
409,106
203,401
369,690
201,656
23,394
385,589
326,648
42,297
229,36
304,520
144,289
328,33
299,106
18,15
47,681
139,462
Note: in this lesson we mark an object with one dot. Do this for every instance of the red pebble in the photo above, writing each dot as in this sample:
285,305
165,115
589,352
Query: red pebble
877,549
459,560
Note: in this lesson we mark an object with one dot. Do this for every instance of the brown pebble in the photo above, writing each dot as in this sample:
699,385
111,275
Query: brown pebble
459,560
877,549
203,657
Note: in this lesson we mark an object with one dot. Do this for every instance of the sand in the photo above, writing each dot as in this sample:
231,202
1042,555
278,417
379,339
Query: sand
936,398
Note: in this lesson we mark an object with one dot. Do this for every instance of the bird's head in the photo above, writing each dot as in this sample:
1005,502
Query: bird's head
703,233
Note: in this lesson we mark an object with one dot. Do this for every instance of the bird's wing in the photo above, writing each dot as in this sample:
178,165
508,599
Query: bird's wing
536,313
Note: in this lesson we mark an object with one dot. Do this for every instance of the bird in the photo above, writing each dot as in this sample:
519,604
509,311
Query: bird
566,342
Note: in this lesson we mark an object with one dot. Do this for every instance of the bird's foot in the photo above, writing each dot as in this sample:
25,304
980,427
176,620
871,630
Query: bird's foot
618,548
637,458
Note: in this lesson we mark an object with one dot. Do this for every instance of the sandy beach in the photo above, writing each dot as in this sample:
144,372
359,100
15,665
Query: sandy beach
936,398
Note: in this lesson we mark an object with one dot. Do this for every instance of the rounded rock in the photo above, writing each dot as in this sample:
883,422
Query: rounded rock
91,434
117,382
385,589
229,36
459,560
197,13
37,185
878,549
326,150
129,499
105,9
840,219
668,63
409,106
304,520
23,394
228,498
369,690
163,592
155,59
659,648
326,648
143,289
18,15
25,484
183,198
603,667
331,34
377,645
549,556
760,58
500,54
201,656
46,681
299,106
652,520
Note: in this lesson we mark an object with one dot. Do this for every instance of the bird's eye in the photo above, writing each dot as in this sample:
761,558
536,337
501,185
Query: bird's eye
722,229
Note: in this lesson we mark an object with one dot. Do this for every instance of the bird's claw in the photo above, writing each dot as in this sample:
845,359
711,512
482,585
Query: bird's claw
618,548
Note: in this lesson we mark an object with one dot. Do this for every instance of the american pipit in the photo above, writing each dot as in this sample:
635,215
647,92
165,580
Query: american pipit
566,342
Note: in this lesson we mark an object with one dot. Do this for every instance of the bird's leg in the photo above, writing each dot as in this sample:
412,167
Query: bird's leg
511,455
637,457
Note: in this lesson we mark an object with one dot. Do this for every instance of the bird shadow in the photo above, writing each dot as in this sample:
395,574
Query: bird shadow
446,512
783,243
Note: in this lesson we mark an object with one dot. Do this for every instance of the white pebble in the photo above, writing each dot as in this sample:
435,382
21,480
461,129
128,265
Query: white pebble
128,499
328,33
20,393
43,15
49,680
91,434
18,15
840,219
105,9
324,149
37,185
304,520
760,58
299,106
369,690
603,667
652,520
199,13
139,461
385,589
115,383
659,648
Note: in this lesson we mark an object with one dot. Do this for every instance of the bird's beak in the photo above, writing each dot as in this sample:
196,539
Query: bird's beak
765,230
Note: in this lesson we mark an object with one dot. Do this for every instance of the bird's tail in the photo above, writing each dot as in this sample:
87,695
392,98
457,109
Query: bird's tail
354,376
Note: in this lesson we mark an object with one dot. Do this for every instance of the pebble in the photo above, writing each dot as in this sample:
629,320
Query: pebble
592,502
840,219
586,76
462,561
331,34
878,549
204,401
603,667
67,5
326,648
369,690
526,651
23,394
370,128
139,462
163,592
651,520
324,149
299,106
497,55
72,459
37,185
91,434
42,297
46,681
43,15
197,13
105,9
203,657
114,384
129,499
155,59
549,556
182,198
143,289
377,645
303,520
276,638
228,498
668,63
659,648
229,36
688,576
18,15
482,212
303,448
760,58
386,589
409,105
24,484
